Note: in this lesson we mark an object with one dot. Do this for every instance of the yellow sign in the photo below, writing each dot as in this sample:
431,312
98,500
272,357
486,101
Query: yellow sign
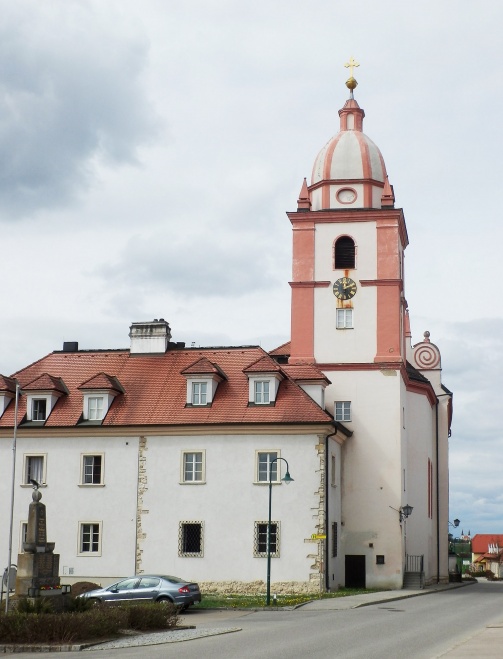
318,536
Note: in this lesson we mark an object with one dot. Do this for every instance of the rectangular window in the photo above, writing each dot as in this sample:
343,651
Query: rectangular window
34,469
265,469
90,538
333,472
344,319
95,408
92,469
262,392
199,393
343,410
190,539
261,536
334,539
38,409
193,467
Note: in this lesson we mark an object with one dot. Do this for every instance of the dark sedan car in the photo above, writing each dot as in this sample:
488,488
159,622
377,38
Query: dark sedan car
149,588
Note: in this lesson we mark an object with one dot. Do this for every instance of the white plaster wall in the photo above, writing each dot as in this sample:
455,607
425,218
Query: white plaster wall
229,504
114,505
371,476
349,345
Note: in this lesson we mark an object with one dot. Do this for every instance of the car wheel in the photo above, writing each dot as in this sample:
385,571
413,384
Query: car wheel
95,601
164,600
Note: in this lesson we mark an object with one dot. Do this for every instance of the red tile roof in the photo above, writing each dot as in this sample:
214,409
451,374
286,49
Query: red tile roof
481,542
156,391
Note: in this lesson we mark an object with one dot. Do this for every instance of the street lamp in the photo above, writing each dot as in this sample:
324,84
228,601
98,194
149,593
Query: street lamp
286,479
455,524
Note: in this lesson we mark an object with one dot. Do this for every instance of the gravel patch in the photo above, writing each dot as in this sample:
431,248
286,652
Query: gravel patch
158,638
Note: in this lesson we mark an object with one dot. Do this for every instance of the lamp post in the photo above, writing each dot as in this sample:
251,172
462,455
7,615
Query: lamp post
286,479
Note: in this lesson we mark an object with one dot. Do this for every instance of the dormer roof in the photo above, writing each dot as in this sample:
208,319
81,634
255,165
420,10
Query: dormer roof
203,366
7,384
305,373
46,382
263,365
102,381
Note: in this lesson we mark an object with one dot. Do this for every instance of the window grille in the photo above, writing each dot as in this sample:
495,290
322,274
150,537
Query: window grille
260,539
190,539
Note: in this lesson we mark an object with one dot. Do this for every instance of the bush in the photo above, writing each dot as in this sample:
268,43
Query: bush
96,623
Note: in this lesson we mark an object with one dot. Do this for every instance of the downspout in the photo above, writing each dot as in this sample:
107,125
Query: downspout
438,492
327,527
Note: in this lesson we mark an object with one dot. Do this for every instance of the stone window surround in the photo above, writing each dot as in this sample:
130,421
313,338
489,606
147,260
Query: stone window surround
81,525
183,455
26,457
82,483
257,531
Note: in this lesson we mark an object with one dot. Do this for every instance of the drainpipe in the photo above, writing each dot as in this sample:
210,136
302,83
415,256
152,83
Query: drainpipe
438,492
327,529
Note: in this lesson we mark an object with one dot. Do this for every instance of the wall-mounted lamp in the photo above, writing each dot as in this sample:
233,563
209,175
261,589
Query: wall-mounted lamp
455,524
404,512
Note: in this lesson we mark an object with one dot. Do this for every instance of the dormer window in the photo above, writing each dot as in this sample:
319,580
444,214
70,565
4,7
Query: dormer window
199,390
39,409
261,396
7,392
98,395
203,378
95,405
41,396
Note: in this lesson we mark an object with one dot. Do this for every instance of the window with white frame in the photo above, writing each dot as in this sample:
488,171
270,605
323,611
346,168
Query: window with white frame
92,469
90,538
34,469
193,467
190,539
344,319
266,467
260,542
343,410
22,536
199,393
261,389
95,407
39,409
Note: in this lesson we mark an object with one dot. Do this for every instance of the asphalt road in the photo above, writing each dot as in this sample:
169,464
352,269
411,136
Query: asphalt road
419,627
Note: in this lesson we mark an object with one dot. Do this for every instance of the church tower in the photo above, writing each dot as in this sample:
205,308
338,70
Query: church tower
350,319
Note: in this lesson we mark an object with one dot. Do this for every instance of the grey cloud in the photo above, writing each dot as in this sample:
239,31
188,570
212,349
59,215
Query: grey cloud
68,99
196,265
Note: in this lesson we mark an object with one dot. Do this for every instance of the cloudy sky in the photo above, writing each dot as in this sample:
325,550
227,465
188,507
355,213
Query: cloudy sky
149,151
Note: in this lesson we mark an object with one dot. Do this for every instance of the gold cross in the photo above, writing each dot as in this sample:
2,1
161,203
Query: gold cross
351,65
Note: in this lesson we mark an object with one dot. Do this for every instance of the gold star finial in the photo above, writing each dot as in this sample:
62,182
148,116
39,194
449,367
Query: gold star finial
351,82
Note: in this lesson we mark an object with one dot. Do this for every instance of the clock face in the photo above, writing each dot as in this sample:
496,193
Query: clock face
344,288
346,196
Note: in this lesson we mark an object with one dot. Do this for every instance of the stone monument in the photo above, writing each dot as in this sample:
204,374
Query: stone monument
38,566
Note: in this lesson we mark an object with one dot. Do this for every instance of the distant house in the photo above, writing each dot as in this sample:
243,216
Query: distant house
487,553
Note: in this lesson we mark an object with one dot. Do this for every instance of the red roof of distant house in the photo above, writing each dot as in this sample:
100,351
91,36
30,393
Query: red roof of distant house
155,390
481,542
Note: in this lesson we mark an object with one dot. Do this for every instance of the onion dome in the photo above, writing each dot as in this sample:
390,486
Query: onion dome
349,172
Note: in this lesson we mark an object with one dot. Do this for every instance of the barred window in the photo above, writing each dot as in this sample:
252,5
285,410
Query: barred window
190,539
260,539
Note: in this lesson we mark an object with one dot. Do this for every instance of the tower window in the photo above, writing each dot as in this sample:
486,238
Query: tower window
344,253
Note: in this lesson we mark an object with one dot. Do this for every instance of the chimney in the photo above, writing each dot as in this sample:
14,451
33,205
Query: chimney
151,337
